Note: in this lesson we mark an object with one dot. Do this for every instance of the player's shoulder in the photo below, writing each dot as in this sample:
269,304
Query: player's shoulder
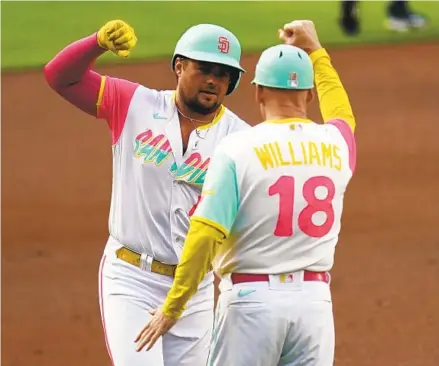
156,93
160,102
233,122
120,85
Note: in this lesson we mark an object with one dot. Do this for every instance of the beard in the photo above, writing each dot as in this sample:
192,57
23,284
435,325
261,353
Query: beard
194,105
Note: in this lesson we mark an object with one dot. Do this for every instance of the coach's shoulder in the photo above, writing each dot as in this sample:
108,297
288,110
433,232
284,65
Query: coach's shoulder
233,143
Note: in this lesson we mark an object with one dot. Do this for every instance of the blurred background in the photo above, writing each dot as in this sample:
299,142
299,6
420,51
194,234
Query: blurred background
56,169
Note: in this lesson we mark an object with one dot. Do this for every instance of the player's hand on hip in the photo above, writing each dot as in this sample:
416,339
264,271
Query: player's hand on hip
118,37
157,326
302,34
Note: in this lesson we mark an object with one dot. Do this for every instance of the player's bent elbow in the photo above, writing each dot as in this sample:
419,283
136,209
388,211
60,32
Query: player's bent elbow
52,77
49,76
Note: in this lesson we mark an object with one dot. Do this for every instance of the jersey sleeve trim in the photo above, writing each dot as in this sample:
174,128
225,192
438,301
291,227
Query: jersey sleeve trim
115,96
101,92
349,137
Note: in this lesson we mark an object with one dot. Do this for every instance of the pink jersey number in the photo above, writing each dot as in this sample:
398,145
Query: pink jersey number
284,187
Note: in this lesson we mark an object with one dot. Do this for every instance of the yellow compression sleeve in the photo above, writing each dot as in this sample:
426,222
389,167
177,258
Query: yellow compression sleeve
198,252
334,101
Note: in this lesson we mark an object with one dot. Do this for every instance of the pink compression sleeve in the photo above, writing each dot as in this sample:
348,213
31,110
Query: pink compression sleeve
69,74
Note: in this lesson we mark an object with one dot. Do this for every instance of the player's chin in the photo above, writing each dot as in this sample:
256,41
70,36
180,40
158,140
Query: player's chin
207,99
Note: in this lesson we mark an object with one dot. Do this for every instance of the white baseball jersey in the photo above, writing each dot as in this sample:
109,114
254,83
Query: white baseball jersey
277,191
155,186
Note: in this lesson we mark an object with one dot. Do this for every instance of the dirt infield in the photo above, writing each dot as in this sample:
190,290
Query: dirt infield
56,180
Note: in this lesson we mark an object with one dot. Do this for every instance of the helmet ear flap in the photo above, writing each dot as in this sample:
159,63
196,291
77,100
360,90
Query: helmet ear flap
174,60
235,77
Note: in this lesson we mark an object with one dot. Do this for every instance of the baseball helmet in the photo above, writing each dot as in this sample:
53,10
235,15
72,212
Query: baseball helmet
284,67
211,43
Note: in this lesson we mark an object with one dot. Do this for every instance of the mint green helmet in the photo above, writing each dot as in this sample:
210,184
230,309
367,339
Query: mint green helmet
284,67
211,43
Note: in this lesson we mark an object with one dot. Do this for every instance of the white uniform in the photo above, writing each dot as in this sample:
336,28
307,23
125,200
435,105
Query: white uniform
277,191
155,189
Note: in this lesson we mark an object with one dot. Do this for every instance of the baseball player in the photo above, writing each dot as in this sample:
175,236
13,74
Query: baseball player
271,215
162,142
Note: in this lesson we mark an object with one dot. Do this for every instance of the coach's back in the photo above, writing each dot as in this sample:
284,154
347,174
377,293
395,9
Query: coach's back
270,214
291,176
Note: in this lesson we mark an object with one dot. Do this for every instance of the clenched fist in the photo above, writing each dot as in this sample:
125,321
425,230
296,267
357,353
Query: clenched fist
302,34
118,37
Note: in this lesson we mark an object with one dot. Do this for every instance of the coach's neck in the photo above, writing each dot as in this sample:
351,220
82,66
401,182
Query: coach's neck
277,103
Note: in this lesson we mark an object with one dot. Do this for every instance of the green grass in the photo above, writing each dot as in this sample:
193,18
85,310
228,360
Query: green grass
32,32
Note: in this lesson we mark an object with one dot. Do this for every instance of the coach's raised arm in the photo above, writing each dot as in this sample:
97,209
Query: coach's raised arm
334,101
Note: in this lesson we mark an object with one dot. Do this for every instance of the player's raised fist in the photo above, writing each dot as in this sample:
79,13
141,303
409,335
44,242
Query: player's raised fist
118,37
302,34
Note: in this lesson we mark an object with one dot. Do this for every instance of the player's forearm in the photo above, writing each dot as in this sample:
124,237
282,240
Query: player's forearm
69,73
334,101
73,62
198,253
